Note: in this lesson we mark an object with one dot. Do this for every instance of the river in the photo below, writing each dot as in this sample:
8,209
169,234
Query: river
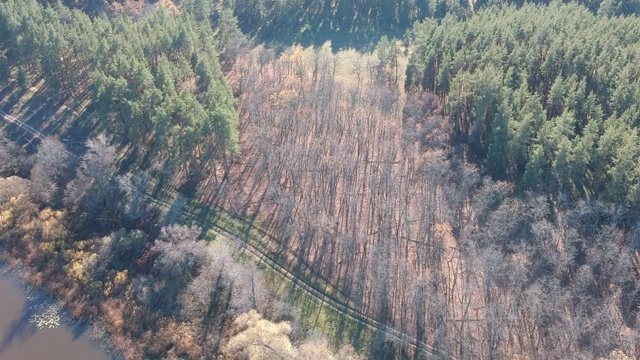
25,316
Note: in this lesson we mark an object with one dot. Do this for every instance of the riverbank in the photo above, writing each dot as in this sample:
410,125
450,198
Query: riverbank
34,326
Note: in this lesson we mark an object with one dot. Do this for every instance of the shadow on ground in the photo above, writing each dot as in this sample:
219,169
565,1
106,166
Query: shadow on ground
67,115
316,32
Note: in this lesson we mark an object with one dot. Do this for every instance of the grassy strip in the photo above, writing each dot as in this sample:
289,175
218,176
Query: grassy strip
312,312
342,322
254,235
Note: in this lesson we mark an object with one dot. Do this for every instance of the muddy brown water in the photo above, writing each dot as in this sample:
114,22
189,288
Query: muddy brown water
20,337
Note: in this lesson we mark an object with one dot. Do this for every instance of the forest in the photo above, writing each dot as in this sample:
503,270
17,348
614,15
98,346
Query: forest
158,288
448,180
560,116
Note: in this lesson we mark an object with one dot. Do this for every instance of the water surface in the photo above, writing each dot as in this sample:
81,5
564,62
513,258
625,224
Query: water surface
22,339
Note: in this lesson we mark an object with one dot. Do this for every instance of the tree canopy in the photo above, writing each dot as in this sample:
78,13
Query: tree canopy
156,81
545,96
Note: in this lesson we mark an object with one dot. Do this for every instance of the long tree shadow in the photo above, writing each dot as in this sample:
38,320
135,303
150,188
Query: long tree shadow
315,29
21,329
79,330
66,114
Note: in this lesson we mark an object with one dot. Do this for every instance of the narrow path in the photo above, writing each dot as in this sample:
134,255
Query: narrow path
312,289
22,125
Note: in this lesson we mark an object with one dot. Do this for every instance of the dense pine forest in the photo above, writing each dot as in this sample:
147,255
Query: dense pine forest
549,103
303,179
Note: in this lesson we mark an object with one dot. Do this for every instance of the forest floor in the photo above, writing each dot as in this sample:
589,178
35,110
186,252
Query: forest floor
315,30
71,118
249,183
67,115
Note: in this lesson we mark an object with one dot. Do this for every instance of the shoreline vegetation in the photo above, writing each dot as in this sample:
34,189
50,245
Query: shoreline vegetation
459,193
47,308
186,289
